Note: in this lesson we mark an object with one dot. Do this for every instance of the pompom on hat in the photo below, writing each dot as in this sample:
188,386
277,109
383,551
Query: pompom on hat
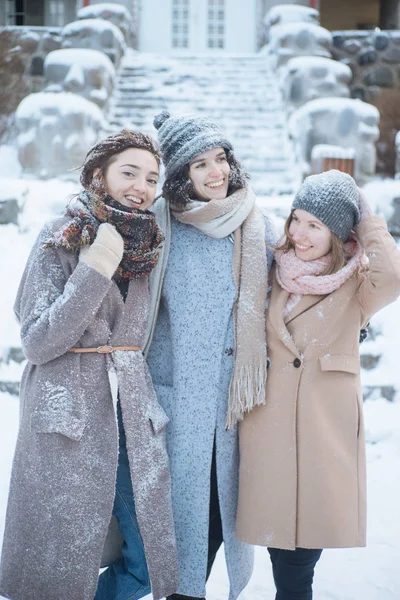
332,197
184,137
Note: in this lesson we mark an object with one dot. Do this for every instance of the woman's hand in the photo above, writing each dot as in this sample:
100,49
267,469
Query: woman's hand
364,207
106,252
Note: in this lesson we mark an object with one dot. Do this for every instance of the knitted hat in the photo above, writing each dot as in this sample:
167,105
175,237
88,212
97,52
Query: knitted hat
184,137
333,198
99,155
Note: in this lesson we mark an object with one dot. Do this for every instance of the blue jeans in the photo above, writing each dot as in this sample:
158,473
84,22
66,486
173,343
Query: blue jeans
127,579
293,572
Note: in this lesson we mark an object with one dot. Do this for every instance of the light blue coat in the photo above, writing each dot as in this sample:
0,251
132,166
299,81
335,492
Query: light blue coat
191,365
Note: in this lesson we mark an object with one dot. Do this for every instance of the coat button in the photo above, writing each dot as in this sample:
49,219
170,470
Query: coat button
229,351
297,363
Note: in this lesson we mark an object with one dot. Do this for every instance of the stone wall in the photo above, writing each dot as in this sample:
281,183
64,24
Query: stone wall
33,45
373,57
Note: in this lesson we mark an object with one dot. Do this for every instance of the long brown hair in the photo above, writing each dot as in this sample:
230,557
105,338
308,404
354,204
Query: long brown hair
340,256
178,189
104,152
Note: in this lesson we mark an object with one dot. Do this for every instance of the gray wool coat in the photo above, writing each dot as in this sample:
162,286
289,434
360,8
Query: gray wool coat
64,472
191,362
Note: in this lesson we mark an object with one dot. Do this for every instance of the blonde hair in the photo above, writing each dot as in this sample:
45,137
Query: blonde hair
340,256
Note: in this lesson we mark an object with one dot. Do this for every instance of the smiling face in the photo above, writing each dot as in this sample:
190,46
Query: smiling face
209,174
311,238
132,178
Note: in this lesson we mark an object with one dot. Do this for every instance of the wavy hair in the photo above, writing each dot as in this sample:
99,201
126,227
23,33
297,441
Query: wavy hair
178,189
340,256
102,154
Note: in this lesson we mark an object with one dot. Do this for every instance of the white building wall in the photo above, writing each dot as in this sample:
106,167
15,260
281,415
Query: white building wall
155,27
241,26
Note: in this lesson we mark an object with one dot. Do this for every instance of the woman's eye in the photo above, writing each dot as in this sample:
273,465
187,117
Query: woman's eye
221,158
152,181
128,174
200,165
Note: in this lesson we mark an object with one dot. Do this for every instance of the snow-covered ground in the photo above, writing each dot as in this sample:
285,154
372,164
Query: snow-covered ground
370,573
356,574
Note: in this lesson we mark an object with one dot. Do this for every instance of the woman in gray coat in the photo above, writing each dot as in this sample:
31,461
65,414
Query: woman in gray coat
208,354
83,306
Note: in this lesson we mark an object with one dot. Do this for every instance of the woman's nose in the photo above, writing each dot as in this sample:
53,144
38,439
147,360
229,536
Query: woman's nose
299,233
215,170
139,185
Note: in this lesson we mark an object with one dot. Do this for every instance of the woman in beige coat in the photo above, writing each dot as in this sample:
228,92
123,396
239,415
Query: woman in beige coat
302,457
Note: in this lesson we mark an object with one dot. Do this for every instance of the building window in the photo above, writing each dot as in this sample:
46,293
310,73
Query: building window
180,23
56,13
216,24
15,12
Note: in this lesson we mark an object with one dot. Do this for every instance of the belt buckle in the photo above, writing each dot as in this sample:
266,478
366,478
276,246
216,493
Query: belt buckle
104,349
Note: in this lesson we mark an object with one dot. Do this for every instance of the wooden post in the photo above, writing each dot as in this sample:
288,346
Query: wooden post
346,165
325,157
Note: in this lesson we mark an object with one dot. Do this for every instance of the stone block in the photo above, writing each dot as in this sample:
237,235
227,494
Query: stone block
88,73
391,55
29,41
299,39
339,122
9,211
55,131
95,34
369,361
50,43
367,56
352,46
377,391
10,387
380,40
394,221
309,77
115,13
380,76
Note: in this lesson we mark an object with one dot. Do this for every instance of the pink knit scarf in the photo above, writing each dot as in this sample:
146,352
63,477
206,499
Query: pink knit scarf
300,277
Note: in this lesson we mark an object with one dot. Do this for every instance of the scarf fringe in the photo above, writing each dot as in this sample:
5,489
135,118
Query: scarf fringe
247,390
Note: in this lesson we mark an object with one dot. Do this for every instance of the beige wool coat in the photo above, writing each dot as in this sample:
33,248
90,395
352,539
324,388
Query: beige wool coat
302,455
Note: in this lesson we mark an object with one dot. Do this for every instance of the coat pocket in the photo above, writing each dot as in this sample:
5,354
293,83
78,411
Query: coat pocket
43,421
59,412
158,417
340,362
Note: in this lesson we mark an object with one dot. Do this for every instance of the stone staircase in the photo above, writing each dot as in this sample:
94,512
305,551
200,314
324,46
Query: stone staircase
239,92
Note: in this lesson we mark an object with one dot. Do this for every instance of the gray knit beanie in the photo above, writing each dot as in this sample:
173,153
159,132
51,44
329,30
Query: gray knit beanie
333,198
184,137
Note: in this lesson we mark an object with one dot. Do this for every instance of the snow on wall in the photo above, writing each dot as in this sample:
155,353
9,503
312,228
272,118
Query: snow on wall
96,34
88,73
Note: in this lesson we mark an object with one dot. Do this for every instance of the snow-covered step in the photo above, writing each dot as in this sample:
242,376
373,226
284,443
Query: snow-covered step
239,92
12,362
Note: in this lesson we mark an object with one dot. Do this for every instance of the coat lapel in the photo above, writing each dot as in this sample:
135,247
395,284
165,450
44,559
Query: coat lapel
306,302
277,303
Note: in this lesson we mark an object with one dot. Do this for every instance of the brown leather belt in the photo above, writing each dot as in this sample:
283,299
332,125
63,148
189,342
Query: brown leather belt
104,349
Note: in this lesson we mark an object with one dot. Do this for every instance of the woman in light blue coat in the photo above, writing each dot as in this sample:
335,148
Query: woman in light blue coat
208,353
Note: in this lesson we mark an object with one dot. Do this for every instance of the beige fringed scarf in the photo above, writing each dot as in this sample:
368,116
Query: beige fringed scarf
239,215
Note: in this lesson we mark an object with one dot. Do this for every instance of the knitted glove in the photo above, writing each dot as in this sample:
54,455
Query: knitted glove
364,207
106,252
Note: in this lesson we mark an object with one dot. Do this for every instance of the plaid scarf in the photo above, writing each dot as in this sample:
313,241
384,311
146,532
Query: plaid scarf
142,237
